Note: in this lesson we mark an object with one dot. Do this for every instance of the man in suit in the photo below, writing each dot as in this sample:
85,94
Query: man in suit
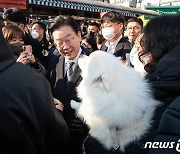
64,76
134,28
112,24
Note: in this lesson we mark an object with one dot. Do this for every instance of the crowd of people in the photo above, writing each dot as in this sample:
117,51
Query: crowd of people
39,74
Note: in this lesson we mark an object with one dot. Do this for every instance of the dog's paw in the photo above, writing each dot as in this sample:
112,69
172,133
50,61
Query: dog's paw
74,105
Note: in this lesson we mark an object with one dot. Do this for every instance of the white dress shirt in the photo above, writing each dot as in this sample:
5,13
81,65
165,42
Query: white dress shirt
112,46
75,60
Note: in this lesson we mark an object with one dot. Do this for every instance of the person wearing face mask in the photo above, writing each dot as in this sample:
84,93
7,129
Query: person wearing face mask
39,33
93,28
16,17
30,123
22,53
160,57
112,24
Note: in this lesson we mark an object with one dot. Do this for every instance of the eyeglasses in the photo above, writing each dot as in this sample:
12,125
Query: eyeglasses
133,28
67,41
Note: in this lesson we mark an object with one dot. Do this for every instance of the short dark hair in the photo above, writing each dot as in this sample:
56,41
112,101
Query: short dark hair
91,40
160,36
15,15
41,24
113,16
138,20
60,21
94,24
100,39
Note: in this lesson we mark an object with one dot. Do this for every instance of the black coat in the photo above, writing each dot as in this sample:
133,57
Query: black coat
123,47
30,123
57,80
165,82
169,129
78,130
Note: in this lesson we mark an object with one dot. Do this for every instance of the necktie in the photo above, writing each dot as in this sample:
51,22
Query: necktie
69,71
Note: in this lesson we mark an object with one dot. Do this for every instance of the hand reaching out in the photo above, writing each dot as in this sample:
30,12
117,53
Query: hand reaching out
58,104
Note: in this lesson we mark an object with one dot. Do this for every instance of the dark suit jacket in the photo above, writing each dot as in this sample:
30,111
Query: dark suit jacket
122,48
59,89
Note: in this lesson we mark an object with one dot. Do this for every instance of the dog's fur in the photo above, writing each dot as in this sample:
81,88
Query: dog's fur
116,101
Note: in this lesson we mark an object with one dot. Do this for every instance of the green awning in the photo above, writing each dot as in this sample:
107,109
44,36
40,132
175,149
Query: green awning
165,9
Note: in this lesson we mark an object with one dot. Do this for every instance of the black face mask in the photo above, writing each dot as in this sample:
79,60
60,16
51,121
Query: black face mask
17,48
91,33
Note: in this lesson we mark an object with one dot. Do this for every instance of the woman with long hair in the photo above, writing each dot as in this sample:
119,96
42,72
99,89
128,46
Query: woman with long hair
161,59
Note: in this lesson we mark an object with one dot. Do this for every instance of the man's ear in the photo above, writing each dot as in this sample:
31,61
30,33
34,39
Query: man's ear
121,25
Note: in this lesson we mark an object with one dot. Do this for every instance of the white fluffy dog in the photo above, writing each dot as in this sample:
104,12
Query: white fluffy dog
116,101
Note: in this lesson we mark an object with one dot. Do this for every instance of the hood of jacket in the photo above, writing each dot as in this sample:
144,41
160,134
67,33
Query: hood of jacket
6,55
165,79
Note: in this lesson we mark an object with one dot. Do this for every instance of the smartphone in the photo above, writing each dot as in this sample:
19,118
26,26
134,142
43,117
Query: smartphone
27,49
84,45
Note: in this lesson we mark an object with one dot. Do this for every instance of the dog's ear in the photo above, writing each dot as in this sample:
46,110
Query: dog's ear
102,83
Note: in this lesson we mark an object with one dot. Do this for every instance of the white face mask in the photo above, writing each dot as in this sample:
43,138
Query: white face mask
35,35
138,65
108,33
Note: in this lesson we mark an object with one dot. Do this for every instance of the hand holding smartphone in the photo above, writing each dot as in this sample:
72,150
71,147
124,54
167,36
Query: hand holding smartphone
27,49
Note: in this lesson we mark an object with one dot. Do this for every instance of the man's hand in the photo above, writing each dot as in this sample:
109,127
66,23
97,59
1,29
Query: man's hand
58,104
